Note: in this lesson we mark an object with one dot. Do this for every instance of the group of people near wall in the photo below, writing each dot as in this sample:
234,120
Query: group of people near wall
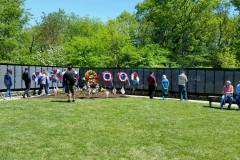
227,89
227,96
68,84
43,82
152,85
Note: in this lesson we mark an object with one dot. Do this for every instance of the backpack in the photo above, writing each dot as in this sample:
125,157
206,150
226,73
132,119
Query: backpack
72,79
7,80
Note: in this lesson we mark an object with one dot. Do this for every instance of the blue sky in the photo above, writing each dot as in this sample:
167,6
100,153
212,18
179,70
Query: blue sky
103,9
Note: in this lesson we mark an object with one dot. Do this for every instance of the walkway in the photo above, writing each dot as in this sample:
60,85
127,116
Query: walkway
158,98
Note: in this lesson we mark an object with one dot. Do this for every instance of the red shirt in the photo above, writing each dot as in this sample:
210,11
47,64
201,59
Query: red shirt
227,89
151,80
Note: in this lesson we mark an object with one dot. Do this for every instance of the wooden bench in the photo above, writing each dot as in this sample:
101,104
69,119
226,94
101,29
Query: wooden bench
211,98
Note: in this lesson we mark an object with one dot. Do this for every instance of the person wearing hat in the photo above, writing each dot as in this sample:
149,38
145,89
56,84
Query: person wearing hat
27,79
165,85
238,95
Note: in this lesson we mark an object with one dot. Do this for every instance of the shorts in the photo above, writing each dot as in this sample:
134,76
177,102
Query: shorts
69,89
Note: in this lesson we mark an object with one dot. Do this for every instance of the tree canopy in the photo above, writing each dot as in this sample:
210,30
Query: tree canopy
161,34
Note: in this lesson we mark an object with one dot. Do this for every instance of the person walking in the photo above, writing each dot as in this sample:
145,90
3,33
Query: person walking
152,84
69,80
8,81
182,80
27,79
165,85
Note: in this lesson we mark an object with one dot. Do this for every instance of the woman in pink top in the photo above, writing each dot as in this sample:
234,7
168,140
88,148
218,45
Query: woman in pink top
227,92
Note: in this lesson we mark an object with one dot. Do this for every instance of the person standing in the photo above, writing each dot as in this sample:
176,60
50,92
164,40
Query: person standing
8,81
47,82
63,84
27,79
42,83
227,92
152,84
182,80
69,81
165,85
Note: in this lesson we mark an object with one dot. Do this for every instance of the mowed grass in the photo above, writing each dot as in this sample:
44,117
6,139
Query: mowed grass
117,128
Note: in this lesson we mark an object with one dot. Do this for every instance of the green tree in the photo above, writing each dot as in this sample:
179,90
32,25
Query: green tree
187,28
13,18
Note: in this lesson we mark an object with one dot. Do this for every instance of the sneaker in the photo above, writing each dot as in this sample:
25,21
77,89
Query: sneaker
28,96
73,100
68,101
5,98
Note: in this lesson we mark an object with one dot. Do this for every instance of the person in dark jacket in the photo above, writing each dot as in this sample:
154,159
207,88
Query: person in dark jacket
68,84
27,79
152,84
8,81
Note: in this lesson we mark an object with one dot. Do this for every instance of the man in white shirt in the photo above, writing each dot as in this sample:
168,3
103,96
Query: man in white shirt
182,80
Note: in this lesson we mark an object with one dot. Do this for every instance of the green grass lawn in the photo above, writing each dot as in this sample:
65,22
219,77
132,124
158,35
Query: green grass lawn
117,128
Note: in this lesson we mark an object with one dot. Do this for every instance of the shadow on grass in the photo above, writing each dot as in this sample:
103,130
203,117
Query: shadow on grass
58,100
218,108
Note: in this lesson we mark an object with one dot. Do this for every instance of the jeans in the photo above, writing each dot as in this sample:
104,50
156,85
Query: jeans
238,103
182,92
8,92
46,88
223,101
151,90
28,85
42,86
64,88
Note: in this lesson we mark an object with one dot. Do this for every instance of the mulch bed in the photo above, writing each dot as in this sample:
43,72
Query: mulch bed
82,95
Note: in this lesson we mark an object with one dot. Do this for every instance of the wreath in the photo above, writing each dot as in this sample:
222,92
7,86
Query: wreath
135,78
122,76
55,75
107,76
91,77
36,76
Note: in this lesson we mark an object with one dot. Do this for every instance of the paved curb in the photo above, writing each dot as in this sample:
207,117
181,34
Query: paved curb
196,101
